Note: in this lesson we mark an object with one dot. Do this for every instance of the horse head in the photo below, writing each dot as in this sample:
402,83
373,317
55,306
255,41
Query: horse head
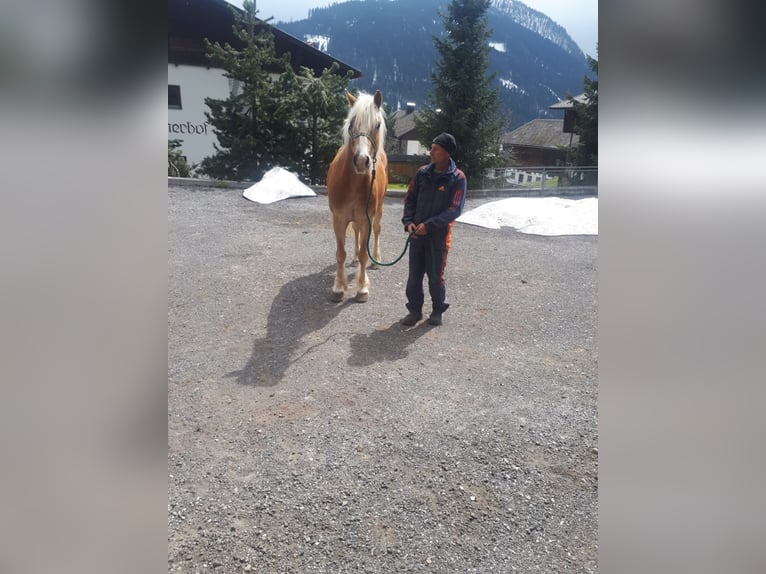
364,131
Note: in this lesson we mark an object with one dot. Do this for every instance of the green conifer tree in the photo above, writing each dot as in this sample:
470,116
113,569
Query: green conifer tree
274,116
322,108
462,100
586,127
177,164
248,123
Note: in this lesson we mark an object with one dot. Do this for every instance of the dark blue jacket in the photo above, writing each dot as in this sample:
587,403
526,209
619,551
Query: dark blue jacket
436,199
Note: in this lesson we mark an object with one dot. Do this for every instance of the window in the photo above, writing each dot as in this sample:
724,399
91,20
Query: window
174,97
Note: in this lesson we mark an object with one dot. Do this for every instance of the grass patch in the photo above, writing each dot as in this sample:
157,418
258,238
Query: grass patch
549,182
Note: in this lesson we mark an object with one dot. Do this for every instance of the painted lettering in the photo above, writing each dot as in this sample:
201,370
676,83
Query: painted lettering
188,128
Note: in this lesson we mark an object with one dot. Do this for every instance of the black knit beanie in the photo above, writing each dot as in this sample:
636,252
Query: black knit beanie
447,141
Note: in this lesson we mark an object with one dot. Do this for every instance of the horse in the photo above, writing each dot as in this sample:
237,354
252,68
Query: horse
356,198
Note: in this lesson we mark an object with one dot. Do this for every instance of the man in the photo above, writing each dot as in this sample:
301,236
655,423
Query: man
434,200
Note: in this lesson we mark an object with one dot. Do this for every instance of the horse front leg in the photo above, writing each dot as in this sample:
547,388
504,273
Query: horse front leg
341,279
362,280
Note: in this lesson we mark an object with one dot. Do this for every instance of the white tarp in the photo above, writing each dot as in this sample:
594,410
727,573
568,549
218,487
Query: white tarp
538,215
277,184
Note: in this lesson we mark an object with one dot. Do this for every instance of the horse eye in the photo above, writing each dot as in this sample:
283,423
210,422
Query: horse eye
377,126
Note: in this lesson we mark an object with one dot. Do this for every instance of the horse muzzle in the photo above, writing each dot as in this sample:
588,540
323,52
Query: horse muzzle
362,163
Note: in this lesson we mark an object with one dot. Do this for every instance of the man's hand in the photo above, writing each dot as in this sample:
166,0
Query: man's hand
419,229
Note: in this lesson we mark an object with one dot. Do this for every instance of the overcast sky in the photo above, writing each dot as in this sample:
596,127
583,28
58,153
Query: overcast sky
578,17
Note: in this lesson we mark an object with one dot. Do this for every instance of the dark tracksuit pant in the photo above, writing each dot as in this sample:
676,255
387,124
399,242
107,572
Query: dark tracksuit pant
428,256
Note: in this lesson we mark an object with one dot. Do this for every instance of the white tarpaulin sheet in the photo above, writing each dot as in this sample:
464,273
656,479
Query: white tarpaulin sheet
538,215
277,184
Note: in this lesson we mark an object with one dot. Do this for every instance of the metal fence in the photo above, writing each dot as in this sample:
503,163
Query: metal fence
559,180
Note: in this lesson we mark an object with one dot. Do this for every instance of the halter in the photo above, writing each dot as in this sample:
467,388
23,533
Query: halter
353,136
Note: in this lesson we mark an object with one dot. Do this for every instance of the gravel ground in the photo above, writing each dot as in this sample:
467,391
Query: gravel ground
312,436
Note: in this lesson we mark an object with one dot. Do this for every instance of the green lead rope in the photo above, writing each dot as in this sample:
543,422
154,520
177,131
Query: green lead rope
432,272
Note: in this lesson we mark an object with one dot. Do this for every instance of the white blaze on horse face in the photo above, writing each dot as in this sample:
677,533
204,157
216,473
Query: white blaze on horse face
362,147
362,159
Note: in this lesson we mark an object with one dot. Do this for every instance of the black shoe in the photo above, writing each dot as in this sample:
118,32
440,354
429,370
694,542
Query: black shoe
435,319
411,319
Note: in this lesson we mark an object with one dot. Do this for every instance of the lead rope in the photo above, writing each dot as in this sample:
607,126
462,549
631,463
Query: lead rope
432,273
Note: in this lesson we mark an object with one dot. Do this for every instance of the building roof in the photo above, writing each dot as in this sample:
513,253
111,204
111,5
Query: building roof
539,133
404,124
568,105
191,21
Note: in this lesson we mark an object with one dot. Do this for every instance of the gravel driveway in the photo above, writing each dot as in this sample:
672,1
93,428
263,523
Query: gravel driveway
311,436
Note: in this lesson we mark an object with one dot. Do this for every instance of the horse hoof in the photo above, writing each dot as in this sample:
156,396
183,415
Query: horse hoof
362,297
374,266
336,297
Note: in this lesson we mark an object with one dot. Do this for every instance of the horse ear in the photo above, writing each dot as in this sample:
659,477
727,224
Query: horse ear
351,99
378,98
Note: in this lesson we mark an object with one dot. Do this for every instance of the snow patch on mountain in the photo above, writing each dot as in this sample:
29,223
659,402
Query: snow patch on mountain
537,22
321,43
510,85
550,90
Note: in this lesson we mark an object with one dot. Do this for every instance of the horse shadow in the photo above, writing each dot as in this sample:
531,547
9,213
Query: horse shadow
384,345
301,307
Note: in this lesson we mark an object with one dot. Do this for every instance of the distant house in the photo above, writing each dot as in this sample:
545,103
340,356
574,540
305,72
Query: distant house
191,78
405,152
540,142
405,137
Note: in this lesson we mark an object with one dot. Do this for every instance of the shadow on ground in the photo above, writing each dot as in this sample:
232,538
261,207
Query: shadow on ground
384,345
301,307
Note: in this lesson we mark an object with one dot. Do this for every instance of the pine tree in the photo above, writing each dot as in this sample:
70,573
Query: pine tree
463,101
247,124
586,152
322,107
177,164
293,120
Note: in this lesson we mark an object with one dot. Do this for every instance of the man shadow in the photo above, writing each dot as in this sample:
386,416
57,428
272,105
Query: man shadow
384,345
301,307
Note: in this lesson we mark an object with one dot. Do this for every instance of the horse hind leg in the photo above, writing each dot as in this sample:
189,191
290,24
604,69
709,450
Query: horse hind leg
341,279
355,258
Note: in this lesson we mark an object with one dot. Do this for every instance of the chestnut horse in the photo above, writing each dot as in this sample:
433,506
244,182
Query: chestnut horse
349,179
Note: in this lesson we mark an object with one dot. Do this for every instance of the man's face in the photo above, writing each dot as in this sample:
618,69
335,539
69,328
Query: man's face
438,154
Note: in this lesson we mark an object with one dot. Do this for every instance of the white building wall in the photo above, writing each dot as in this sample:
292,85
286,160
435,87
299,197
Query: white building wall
414,148
189,123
